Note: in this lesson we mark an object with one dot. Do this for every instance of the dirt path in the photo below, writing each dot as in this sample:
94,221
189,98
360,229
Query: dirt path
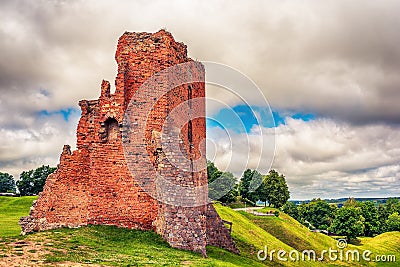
24,253
249,208
29,253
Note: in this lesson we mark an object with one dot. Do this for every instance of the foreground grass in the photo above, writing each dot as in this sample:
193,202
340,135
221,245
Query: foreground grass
112,246
11,210
96,245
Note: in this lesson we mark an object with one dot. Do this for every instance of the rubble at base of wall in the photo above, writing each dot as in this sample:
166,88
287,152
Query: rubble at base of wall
31,225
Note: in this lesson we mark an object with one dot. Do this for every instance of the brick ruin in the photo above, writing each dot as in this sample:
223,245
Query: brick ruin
94,185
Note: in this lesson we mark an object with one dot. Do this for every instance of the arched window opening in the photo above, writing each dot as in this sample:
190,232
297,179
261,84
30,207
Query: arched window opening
111,130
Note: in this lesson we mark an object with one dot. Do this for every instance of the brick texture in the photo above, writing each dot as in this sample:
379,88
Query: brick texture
94,185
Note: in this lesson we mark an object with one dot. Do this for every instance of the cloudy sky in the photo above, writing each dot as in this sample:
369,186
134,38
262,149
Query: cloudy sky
329,70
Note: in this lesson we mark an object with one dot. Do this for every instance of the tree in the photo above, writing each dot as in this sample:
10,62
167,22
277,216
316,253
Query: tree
261,192
370,214
7,183
318,213
348,222
351,202
291,209
250,181
211,170
392,205
32,182
383,215
393,222
384,211
232,194
276,188
221,185
334,208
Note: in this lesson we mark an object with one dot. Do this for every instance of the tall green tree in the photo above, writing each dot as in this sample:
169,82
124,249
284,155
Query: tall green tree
291,209
393,222
261,192
233,193
249,183
7,183
392,205
276,189
212,171
370,214
382,218
32,182
221,185
318,213
348,222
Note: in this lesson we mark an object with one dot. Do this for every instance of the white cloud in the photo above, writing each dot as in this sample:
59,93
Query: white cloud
337,59
324,158
40,144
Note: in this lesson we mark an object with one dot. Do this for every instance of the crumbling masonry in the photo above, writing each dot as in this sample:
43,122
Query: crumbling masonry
93,184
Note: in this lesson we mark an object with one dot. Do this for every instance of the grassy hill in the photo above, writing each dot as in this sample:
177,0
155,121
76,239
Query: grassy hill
386,243
11,210
252,233
291,232
112,246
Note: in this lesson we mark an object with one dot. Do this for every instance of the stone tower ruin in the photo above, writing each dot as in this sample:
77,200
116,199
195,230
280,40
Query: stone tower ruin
94,185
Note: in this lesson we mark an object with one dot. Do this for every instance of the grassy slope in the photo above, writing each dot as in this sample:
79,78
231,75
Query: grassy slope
123,247
11,210
249,237
293,234
383,244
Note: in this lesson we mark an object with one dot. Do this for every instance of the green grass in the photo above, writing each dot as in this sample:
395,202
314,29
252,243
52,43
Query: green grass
11,210
236,205
250,235
291,232
112,246
105,245
383,244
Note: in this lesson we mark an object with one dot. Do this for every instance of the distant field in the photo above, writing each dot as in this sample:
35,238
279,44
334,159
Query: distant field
112,246
11,209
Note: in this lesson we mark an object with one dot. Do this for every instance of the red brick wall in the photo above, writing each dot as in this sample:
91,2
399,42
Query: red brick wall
93,185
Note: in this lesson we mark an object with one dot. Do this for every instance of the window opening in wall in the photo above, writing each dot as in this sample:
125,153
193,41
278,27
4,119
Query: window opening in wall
111,129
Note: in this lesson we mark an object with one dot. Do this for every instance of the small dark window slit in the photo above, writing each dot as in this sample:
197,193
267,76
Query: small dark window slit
110,131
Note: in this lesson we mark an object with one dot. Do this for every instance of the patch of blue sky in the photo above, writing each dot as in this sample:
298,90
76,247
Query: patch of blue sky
65,113
304,116
243,118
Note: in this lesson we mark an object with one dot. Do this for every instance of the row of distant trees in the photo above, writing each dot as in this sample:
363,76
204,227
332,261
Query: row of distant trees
251,187
352,220
29,183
